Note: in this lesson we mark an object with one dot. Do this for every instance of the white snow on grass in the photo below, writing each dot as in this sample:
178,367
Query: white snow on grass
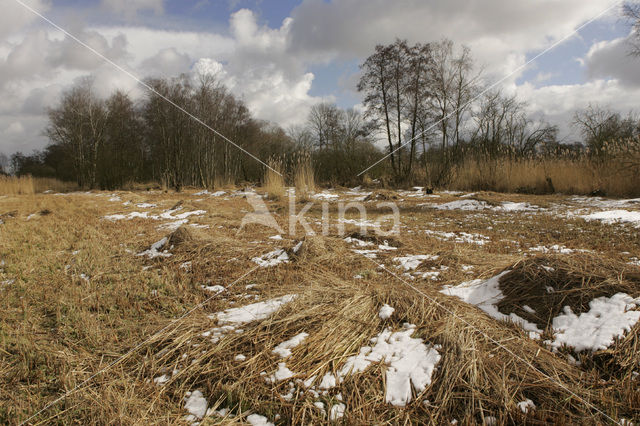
154,250
176,219
466,204
282,373
556,248
324,196
526,405
410,364
336,412
459,237
258,420
615,216
231,319
284,348
239,357
272,258
213,288
411,262
196,405
472,204
254,312
371,254
385,312
485,294
510,206
608,318
357,242
145,205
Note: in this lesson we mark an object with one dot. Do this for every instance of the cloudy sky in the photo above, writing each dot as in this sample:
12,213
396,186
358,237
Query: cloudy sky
283,56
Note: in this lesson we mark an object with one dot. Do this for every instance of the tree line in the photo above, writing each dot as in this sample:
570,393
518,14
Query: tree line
424,107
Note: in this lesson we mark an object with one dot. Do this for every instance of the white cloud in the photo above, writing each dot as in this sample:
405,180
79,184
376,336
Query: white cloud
269,67
15,17
130,8
558,103
612,59
500,32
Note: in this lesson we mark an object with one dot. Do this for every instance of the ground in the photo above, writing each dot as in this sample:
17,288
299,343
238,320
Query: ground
155,307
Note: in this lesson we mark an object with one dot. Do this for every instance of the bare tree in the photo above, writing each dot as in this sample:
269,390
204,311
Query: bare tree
632,12
4,164
378,86
600,126
79,124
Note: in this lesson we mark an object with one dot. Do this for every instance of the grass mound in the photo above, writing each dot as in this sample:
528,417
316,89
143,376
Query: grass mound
548,284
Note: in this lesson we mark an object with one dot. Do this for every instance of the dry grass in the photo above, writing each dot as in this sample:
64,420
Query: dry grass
303,178
535,176
58,328
24,185
273,182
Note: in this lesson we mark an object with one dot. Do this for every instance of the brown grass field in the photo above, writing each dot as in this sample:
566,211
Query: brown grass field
82,316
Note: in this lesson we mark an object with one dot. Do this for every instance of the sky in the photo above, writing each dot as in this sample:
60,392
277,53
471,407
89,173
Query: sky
281,57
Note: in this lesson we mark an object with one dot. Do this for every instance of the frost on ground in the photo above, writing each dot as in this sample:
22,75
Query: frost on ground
486,295
410,363
284,348
272,258
607,319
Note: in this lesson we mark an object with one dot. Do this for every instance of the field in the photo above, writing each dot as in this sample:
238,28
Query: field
153,307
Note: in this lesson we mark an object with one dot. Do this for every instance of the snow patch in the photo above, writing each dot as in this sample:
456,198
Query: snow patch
284,348
385,312
608,318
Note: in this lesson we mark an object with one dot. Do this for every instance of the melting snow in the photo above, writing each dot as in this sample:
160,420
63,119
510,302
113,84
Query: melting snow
410,363
385,311
615,216
272,258
196,405
253,312
607,319
284,348
486,295
154,252
337,412
526,405
466,204
258,420
411,262
232,318
282,373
